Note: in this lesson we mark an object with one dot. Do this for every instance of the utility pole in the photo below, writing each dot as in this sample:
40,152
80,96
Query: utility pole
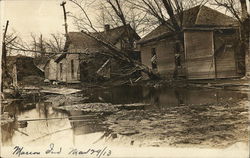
65,18
42,49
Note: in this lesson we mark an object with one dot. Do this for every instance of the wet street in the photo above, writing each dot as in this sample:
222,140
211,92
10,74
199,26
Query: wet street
130,116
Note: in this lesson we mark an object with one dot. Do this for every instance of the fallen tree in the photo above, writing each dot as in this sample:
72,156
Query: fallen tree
167,12
123,56
114,52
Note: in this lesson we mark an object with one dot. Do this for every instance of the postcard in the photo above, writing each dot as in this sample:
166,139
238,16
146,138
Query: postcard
125,78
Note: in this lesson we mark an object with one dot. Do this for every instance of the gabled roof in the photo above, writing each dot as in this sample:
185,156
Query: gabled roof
194,17
81,43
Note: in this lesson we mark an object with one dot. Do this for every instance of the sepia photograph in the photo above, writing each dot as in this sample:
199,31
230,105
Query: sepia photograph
125,78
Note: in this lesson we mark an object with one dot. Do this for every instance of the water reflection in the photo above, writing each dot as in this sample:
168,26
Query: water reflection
174,116
85,124
7,132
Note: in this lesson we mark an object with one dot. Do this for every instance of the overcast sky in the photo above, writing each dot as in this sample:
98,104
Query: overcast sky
37,16
34,16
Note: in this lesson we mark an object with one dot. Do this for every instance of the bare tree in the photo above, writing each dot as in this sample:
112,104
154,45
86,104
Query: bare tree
4,55
38,45
167,12
88,28
238,8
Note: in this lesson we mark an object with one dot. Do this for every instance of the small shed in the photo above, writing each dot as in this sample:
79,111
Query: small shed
210,50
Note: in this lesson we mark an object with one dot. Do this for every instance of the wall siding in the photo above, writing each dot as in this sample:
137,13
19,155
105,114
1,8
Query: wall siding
226,64
165,56
62,76
50,71
76,74
199,51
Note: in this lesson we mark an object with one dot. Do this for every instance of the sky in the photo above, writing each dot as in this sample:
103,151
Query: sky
35,16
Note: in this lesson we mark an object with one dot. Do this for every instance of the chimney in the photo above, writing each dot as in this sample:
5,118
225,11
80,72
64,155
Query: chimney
106,27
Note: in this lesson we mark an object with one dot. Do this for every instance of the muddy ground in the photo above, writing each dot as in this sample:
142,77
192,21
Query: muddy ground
151,115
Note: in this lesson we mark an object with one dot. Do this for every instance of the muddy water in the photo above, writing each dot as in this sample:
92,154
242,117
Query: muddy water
177,117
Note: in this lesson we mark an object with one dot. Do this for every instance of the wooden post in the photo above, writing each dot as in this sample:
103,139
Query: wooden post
41,46
4,54
4,51
185,58
214,56
14,78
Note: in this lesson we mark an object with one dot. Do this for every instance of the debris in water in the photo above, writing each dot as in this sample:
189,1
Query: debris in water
62,91
90,107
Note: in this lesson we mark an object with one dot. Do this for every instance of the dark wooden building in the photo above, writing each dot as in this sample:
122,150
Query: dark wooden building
211,47
20,68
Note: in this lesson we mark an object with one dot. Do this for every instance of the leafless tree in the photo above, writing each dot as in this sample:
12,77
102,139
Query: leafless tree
4,55
238,8
52,45
117,13
88,28
167,12
38,45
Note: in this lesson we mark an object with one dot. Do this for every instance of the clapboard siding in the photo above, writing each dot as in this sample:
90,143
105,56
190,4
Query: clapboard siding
199,54
166,61
165,56
62,70
225,54
75,75
209,54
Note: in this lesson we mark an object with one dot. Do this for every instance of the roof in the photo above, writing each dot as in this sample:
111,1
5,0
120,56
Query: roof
199,16
53,58
40,62
81,43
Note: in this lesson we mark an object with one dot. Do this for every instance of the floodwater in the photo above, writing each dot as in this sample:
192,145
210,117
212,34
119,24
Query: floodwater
170,117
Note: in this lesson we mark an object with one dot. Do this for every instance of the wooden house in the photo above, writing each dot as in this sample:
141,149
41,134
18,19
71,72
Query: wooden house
210,47
85,58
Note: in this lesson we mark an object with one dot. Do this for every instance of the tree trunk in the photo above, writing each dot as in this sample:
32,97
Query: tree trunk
3,64
4,55
245,35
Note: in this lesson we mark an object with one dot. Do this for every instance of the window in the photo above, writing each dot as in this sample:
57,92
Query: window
178,54
61,70
178,60
134,45
72,68
153,58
